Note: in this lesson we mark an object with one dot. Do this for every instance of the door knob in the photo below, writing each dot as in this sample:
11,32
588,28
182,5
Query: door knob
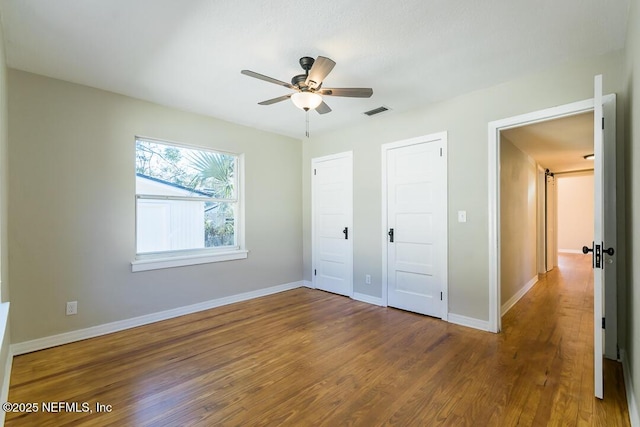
609,251
586,249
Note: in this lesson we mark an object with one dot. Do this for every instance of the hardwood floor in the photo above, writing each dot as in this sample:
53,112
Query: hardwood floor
306,357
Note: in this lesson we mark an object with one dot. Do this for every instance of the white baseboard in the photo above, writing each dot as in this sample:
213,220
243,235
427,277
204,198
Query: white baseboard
94,331
367,298
514,299
308,284
469,322
632,404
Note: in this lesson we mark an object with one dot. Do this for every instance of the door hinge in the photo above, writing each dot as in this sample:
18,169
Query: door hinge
314,171
603,123
603,323
315,272
441,152
440,296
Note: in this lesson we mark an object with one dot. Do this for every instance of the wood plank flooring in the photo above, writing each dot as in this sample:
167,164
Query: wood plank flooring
310,358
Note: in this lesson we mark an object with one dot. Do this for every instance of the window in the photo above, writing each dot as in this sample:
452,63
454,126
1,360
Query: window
187,205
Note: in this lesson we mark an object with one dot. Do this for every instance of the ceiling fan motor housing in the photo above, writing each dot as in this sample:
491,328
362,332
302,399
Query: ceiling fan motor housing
299,81
306,62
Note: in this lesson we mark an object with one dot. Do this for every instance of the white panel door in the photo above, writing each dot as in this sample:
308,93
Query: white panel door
551,220
416,227
604,173
598,235
332,223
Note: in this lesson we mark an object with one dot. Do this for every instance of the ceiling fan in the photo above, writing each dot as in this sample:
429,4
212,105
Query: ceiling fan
308,86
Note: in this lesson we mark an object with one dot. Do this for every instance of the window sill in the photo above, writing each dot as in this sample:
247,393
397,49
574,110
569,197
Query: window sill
181,261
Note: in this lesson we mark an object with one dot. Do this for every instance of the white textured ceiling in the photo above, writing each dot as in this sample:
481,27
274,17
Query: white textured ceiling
558,145
188,54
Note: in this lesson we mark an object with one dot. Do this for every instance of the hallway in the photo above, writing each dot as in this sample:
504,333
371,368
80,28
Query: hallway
552,327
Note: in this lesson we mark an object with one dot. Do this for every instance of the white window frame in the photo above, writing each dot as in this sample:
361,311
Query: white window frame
181,258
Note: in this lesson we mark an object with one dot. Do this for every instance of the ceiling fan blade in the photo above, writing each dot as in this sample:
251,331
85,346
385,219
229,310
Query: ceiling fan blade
323,108
352,92
274,100
267,78
319,70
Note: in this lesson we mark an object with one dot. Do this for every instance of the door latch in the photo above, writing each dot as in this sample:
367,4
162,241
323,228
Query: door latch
597,253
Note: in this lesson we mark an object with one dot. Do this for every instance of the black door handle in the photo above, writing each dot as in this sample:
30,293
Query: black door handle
609,251
346,233
595,258
390,233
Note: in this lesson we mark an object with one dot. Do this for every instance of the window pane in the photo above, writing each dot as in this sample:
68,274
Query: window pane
172,225
220,225
169,170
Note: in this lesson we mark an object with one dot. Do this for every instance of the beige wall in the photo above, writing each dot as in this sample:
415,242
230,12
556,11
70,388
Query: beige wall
518,220
72,208
4,174
466,119
631,81
5,337
575,211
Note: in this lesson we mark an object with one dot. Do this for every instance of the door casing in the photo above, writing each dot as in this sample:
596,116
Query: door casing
494,130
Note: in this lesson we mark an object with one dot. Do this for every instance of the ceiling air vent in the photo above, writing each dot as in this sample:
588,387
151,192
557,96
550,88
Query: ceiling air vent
375,111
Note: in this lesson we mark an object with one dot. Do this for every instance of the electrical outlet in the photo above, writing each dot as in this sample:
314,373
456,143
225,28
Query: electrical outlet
367,279
72,307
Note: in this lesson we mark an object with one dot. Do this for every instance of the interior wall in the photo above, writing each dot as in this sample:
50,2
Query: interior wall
575,211
72,208
466,119
5,335
518,220
4,174
631,296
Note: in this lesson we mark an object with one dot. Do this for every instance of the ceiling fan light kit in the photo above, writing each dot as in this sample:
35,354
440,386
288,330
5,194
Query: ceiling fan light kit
306,100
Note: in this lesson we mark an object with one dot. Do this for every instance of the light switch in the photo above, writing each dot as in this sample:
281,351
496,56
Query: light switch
462,216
